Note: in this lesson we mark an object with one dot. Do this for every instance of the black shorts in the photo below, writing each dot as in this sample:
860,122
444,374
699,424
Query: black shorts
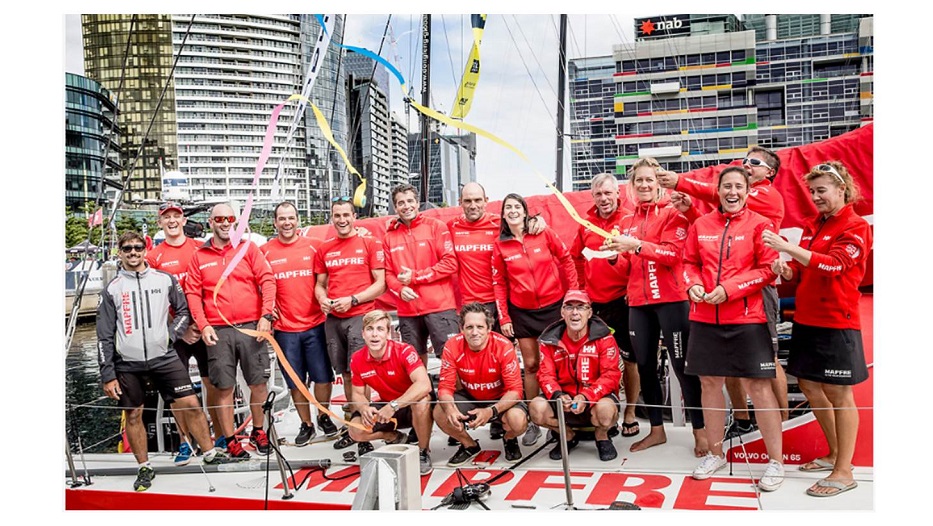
530,323
829,356
170,378
344,337
438,326
495,316
465,402
402,417
738,351
615,314
197,349
584,419
234,347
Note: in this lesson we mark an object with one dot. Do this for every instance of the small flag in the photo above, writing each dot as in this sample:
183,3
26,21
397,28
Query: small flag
97,218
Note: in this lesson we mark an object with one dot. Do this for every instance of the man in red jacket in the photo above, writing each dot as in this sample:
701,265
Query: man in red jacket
579,375
604,275
420,262
244,300
762,166
485,365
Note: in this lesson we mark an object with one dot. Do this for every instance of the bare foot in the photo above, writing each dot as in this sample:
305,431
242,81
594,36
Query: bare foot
655,438
701,445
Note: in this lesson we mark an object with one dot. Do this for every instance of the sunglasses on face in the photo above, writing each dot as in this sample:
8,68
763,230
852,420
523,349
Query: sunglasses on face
126,249
828,168
755,162
222,219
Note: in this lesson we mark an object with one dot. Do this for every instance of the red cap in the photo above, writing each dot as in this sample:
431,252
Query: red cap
169,205
576,295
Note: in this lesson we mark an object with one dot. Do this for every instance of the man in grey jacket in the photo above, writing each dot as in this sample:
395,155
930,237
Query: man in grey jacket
134,337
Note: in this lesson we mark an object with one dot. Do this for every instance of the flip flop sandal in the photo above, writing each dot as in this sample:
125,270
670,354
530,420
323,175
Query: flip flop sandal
840,487
819,465
630,429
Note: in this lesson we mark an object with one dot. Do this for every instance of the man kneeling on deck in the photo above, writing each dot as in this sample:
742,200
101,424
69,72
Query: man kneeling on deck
134,343
580,370
487,367
395,371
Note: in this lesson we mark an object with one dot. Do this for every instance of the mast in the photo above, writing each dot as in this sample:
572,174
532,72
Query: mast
561,80
426,102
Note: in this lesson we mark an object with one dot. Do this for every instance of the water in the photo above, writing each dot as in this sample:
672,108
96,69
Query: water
89,414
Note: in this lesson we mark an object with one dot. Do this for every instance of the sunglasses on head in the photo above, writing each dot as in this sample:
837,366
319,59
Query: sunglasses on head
342,199
222,219
126,249
755,162
828,168
169,204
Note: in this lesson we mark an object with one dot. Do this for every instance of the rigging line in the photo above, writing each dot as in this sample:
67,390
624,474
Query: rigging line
79,292
534,55
155,112
538,91
333,108
450,58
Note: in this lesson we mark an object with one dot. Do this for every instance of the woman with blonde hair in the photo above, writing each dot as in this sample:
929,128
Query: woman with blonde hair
652,240
826,352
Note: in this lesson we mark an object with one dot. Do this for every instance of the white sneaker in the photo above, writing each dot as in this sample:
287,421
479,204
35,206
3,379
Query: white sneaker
710,464
773,477
531,435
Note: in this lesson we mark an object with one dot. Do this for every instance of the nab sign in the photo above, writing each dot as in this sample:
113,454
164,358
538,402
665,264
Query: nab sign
662,26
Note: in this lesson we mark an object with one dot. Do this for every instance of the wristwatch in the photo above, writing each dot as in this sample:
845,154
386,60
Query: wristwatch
495,412
394,405
268,317
353,301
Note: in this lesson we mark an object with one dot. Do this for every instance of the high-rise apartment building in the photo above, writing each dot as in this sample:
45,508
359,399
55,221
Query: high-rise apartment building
398,164
695,90
232,71
137,72
92,143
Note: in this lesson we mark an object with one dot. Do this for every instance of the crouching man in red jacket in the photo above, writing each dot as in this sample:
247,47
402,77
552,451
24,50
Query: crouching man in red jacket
580,368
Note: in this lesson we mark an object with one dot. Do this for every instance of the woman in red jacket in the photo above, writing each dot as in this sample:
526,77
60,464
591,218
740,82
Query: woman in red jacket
653,240
826,352
531,273
726,264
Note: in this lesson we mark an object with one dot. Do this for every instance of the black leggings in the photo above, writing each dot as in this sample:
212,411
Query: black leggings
646,324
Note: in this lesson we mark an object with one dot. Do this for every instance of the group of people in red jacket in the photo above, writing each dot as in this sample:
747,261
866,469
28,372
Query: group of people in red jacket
588,319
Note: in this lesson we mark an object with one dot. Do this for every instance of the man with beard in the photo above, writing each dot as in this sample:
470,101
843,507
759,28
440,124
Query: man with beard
245,300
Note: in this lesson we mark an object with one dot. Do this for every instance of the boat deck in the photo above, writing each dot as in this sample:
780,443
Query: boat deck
657,478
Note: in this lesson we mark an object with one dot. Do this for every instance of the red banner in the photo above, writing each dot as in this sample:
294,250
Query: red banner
854,149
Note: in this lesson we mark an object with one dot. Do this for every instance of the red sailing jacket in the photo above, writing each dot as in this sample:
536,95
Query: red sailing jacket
473,244
604,279
726,249
763,198
487,374
239,298
827,294
527,273
589,367
657,268
425,248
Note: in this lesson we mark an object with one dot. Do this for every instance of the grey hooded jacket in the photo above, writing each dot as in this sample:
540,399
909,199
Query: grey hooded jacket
133,328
